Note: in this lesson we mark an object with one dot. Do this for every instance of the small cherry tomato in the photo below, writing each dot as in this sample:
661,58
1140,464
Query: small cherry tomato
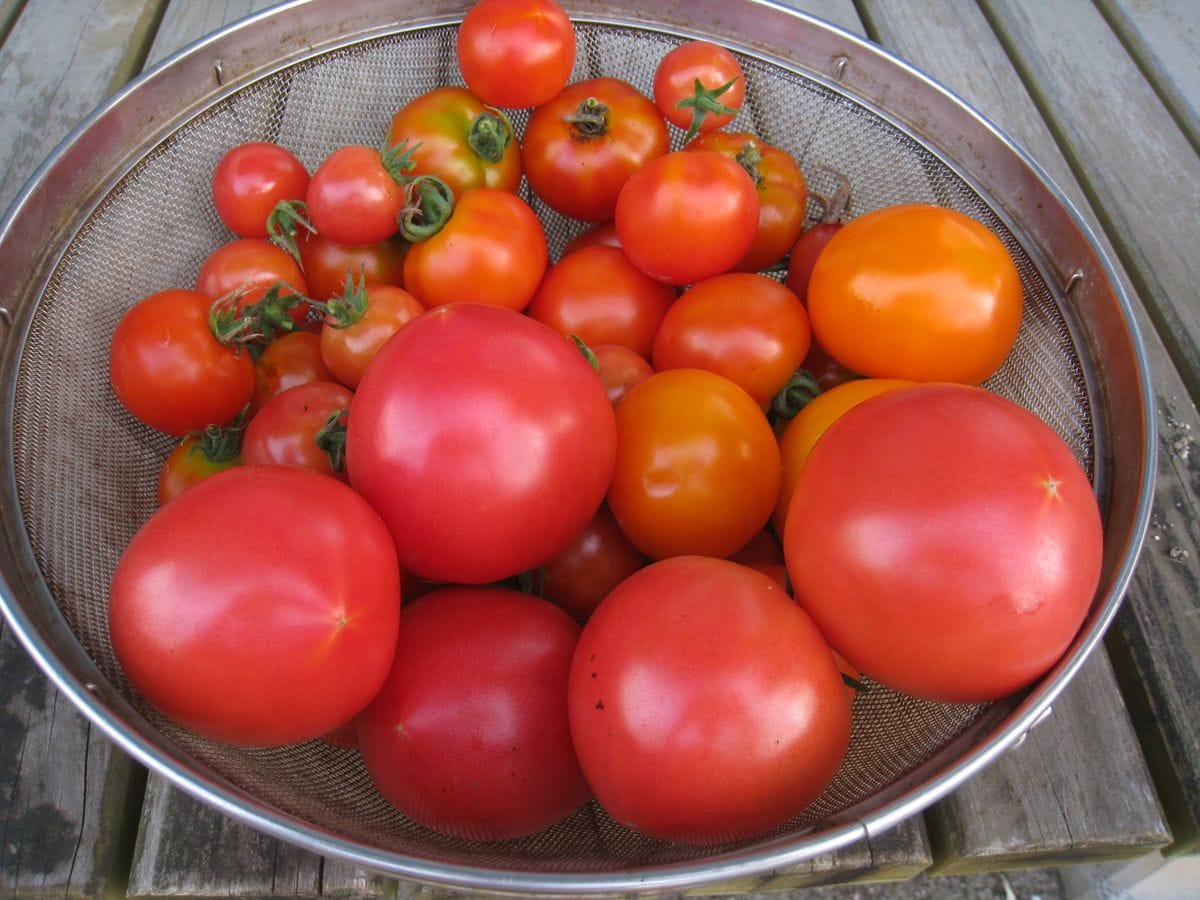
302,426
699,87
516,53
327,264
199,455
250,180
602,233
620,369
287,361
601,297
697,466
359,323
804,255
596,561
354,196
251,267
742,325
687,216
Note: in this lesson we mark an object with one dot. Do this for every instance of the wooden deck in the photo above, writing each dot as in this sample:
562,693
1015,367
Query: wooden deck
1105,94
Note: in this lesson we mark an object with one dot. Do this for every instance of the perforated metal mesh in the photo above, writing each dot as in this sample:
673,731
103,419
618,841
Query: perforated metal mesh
86,471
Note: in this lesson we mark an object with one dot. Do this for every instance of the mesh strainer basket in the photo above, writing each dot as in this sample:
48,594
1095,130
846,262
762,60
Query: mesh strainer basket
122,209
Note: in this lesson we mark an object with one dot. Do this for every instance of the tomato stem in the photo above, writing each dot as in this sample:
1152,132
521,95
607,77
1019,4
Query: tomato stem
749,158
255,324
219,444
427,208
283,225
703,101
585,351
853,683
801,389
490,135
331,438
590,120
835,206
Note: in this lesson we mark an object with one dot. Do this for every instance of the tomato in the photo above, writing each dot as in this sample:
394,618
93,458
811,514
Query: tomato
449,132
169,371
230,619
250,180
687,216
782,193
492,251
602,233
252,267
353,196
697,467
704,704
287,361
764,553
327,264
598,295
946,542
516,53
699,87
619,369
484,439
581,147
826,371
801,433
357,325
596,561
294,428
199,455
917,292
469,735
804,255
742,325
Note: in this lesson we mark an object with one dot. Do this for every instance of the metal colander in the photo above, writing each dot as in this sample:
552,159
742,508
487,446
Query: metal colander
122,209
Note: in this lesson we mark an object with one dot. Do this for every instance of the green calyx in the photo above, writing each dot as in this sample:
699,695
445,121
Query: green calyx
490,135
331,438
703,102
284,224
801,389
427,208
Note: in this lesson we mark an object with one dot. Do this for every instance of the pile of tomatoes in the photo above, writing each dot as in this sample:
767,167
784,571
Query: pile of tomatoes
630,568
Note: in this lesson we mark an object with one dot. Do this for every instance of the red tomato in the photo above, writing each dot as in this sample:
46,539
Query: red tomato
492,251
687,216
804,255
743,325
169,371
252,266
449,132
231,621
697,467
468,420
359,324
704,704
581,147
199,455
826,371
699,87
946,542
516,53
596,561
620,369
800,435
287,361
353,198
602,233
601,297
327,264
917,292
291,429
469,735
251,180
782,193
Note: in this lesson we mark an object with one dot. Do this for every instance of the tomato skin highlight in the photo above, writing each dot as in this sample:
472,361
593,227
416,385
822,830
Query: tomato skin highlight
222,626
704,704
469,735
946,541
473,418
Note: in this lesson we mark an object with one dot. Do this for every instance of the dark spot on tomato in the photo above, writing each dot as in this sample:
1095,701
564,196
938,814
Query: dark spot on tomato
599,704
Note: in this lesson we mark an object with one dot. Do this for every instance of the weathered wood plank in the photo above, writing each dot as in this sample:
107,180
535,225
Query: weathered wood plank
1162,37
184,22
9,10
1135,165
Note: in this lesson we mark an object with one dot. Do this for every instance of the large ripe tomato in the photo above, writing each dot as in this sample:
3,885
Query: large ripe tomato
358,324
354,197
170,372
492,251
516,53
704,704
250,180
469,735
581,147
782,193
946,542
742,325
918,292
687,216
697,466
484,439
449,132
251,267
699,87
327,264
800,435
293,428
230,618
598,295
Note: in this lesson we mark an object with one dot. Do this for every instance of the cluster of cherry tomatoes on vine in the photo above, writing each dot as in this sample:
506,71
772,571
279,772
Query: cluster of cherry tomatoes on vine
630,569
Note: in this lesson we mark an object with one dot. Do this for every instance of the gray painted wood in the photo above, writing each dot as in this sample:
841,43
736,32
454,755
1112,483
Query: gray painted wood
184,22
